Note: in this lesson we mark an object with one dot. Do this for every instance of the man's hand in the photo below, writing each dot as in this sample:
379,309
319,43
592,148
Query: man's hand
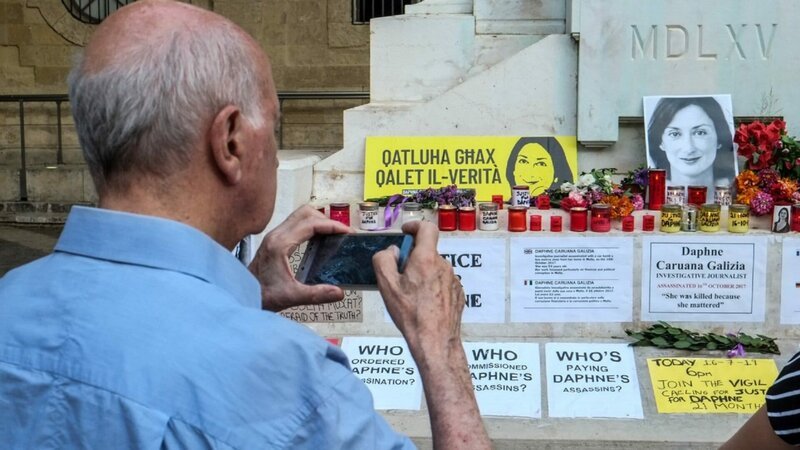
426,302
279,288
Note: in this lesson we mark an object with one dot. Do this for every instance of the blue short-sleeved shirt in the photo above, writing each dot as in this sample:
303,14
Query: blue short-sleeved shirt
140,332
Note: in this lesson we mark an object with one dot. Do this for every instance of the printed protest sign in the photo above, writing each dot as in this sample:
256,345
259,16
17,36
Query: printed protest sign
704,278
385,365
489,164
710,385
481,266
505,377
790,281
592,380
571,279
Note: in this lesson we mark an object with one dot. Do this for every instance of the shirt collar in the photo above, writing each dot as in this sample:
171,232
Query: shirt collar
159,243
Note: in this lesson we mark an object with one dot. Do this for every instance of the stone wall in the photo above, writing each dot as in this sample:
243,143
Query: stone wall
313,46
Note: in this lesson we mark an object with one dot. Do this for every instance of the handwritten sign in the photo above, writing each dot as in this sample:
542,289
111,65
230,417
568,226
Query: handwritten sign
347,310
385,365
710,385
790,281
489,164
505,377
571,279
480,264
592,380
704,278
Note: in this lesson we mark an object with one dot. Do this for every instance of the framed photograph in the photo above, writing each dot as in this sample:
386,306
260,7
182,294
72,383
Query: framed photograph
780,219
691,137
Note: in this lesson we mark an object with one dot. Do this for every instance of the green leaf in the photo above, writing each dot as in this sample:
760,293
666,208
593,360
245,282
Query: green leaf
674,331
683,344
711,346
659,331
660,342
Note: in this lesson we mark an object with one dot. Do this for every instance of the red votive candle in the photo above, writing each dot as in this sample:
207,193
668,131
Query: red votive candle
340,212
321,209
498,199
543,201
536,222
466,218
697,195
516,218
601,218
795,219
648,222
447,217
657,188
577,219
627,224
555,224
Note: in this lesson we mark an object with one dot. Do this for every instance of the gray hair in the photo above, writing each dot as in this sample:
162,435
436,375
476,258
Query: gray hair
144,112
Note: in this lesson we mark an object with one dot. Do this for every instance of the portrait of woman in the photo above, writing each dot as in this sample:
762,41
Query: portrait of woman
691,138
538,162
781,219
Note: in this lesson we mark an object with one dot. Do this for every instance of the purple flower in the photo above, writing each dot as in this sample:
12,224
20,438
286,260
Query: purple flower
762,204
638,202
737,352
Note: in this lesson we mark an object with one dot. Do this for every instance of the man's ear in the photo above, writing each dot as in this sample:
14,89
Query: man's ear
225,140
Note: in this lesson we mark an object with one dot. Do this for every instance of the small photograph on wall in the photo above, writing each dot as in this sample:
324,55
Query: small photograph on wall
691,137
780,219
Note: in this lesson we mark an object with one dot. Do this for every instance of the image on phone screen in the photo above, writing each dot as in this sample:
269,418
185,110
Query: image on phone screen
346,259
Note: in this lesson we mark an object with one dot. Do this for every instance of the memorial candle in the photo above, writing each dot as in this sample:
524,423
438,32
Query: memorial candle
340,212
656,188
555,224
601,218
466,218
535,222
795,219
516,218
627,224
648,222
577,219
498,200
447,217
697,195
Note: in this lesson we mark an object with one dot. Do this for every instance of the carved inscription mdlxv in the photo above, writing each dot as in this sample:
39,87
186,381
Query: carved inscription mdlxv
703,42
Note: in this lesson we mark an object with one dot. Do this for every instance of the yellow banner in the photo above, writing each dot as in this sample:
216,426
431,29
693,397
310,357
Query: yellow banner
710,385
489,164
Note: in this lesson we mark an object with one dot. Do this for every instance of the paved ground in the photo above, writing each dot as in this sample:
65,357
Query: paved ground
20,244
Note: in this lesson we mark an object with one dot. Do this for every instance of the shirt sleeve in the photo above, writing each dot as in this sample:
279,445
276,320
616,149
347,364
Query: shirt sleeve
346,418
783,402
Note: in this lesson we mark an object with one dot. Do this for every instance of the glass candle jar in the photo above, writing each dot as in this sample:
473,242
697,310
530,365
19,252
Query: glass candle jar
498,200
577,219
521,195
488,217
601,218
447,217
627,224
412,211
697,195
543,201
555,224
466,218
689,218
340,212
670,218
516,218
722,195
738,218
535,222
708,219
656,188
368,213
795,218
676,195
648,222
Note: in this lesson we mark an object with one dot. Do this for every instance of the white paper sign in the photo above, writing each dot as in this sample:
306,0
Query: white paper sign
385,365
592,380
481,264
703,278
505,377
571,279
790,281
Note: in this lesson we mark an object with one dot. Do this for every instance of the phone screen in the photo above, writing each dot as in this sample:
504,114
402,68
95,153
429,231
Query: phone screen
346,259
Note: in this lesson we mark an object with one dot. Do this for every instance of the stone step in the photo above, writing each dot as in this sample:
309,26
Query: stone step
40,156
57,183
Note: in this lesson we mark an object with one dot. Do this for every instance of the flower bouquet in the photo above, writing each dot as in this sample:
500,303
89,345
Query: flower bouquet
635,180
431,198
593,187
772,166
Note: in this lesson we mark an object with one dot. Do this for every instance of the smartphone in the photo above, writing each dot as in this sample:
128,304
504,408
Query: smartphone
346,259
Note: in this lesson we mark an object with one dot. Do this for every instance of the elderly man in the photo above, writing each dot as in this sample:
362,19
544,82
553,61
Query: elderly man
141,330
